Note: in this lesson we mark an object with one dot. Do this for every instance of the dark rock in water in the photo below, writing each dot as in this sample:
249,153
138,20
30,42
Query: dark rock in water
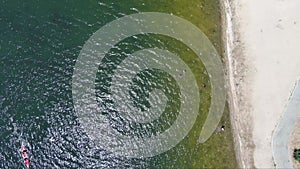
2,158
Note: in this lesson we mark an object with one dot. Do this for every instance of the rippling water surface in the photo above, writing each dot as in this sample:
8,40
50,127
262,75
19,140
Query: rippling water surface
39,44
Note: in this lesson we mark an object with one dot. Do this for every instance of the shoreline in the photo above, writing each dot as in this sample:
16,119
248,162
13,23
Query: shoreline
232,48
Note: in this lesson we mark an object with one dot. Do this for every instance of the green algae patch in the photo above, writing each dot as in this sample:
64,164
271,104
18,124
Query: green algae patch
218,151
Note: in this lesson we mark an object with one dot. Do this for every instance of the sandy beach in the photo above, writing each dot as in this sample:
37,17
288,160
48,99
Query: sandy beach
263,66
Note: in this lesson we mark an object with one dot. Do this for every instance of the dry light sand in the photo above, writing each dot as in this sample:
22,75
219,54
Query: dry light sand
264,64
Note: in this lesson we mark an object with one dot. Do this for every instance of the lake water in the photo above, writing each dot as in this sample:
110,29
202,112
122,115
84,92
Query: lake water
40,42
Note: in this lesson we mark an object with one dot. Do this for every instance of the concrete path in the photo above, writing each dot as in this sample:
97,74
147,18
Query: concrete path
281,153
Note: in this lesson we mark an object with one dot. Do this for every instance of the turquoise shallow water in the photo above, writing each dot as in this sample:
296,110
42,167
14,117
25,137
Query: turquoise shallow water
39,44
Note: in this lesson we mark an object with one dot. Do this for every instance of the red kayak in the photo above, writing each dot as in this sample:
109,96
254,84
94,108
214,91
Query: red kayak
25,156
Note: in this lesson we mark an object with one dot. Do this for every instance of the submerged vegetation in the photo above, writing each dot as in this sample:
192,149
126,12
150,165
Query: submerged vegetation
218,151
